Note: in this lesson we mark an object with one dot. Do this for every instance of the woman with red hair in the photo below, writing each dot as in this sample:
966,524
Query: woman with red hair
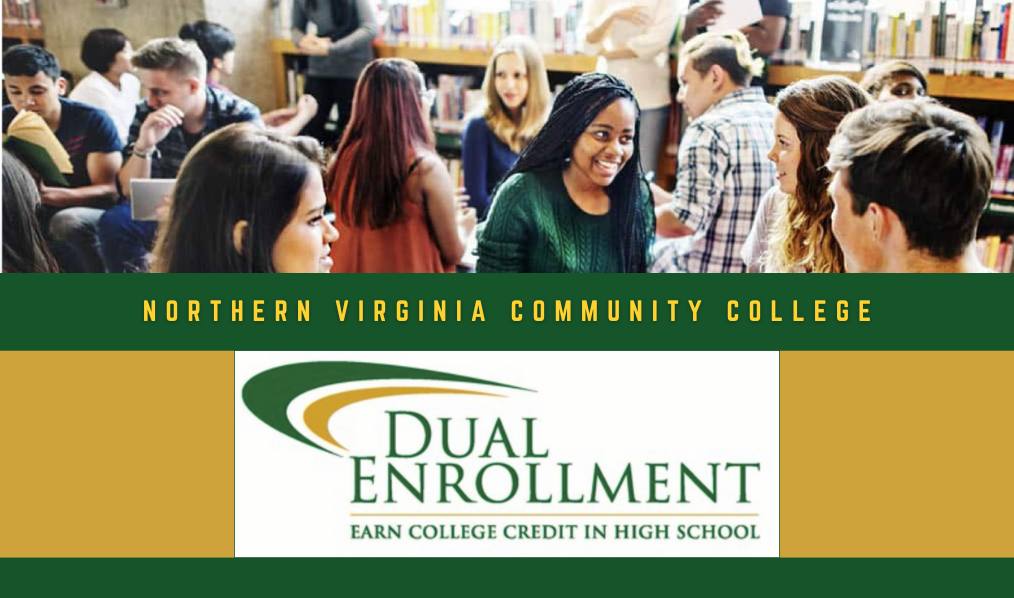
393,198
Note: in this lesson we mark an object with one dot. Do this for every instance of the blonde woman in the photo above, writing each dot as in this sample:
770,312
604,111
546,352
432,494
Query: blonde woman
792,232
634,39
516,103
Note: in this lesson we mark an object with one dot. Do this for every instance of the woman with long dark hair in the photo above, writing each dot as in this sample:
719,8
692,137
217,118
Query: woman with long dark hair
792,229
24,246
339,51
577,199
247,200
393,198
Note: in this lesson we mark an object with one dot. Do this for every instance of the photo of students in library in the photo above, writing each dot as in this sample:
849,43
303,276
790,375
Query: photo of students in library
689,136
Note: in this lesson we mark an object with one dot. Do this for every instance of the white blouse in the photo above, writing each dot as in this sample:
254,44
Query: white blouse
119,104
648,73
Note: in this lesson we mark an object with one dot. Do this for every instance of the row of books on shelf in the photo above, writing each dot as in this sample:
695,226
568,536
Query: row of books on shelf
954,38
947,42
465,24
996,253
1003,154
21,12
457,97
1003,181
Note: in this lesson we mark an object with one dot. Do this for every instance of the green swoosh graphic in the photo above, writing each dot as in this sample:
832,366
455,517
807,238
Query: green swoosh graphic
268,394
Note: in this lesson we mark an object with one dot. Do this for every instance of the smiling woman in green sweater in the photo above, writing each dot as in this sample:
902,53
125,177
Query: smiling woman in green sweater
577,200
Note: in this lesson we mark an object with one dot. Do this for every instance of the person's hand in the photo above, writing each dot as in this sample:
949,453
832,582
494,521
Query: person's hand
461,198
314,45
307,106
162,211
277,118
702,15
155,128
45,193
638,15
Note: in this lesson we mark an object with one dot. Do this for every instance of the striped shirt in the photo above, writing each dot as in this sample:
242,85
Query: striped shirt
223,109
723,174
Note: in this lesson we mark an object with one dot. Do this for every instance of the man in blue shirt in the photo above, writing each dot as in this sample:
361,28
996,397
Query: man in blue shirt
180,111
70,215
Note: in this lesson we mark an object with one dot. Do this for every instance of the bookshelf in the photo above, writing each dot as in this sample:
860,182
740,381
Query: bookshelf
566,64
574,64
966,87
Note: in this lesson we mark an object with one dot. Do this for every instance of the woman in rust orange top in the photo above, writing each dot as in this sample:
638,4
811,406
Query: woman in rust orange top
393,198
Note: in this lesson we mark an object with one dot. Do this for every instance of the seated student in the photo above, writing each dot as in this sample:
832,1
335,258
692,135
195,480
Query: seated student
895,80
723,171
110,86
577,200
515,105
267,215
911,180
24,246
179,112
218,45
393,198
69,215
792,231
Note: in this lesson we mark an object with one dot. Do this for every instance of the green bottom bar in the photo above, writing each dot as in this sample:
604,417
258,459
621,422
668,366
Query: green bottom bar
503,577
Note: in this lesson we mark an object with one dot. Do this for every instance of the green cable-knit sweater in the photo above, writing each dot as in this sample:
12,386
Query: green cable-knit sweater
534,226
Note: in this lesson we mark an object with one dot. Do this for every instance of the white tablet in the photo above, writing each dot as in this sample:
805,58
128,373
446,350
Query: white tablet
147,196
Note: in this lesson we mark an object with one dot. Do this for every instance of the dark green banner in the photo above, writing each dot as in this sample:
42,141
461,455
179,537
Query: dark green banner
487,577
578,312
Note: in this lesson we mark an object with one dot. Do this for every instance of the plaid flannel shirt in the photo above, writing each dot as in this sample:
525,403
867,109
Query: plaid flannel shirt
223,109
723,174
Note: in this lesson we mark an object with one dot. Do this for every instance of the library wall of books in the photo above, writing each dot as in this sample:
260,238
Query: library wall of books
964,46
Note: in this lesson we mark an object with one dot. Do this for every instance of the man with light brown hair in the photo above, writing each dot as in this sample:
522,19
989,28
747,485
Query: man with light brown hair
179,111
911,180
723,167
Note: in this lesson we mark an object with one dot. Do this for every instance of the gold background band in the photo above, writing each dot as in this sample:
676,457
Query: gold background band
115,454
132,454
897,454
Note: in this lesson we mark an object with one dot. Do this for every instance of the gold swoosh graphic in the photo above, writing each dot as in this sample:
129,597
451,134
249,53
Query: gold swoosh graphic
320,412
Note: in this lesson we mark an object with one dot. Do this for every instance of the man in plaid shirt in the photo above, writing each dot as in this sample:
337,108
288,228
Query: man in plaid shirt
723,165
180,111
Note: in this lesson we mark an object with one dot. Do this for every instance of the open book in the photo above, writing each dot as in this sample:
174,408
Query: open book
30,139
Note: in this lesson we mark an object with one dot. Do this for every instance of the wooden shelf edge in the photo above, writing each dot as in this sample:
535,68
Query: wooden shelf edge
563,63
23,32
966,87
